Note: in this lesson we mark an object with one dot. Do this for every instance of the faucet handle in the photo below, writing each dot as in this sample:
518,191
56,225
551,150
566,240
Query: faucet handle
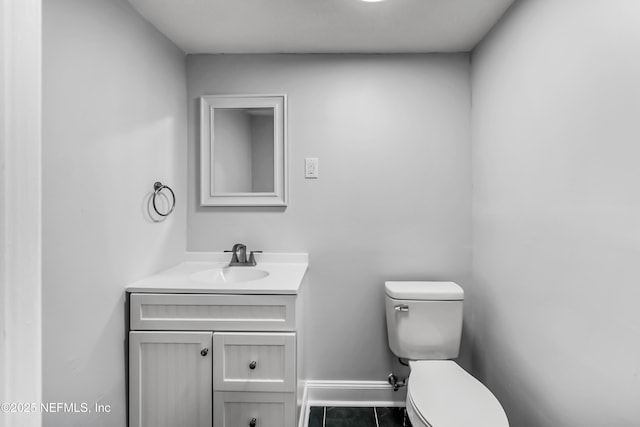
234,257
252,258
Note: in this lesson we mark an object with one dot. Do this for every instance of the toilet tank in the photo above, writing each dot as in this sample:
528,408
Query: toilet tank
424,319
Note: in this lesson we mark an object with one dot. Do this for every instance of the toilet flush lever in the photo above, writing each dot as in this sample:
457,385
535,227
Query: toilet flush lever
402,307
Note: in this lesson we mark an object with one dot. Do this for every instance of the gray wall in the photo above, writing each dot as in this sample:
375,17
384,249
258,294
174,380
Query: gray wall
393,198
556,213
114,112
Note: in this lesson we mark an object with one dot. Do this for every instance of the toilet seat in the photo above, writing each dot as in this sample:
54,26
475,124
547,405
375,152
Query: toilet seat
442,394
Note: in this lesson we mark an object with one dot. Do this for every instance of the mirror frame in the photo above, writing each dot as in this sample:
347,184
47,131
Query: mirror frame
208,104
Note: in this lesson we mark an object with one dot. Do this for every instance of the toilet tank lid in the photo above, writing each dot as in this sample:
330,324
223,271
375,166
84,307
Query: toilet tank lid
424,290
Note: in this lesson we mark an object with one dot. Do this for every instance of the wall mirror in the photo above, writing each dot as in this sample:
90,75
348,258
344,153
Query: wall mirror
243,150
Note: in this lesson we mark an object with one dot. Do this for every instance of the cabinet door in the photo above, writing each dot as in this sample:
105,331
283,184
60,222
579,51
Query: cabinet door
170,379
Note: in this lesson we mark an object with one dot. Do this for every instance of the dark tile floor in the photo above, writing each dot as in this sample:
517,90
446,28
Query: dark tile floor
339,416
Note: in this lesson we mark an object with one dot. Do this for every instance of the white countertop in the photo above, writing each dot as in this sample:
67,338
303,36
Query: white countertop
286,271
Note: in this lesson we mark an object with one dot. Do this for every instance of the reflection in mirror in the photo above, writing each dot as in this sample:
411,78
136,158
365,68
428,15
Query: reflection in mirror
243,150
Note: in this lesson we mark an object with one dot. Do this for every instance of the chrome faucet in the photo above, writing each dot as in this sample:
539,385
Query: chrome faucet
239,256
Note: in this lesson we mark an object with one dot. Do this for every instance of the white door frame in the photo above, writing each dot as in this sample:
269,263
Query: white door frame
20,209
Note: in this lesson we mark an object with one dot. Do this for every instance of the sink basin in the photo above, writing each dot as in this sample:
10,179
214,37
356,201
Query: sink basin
229,275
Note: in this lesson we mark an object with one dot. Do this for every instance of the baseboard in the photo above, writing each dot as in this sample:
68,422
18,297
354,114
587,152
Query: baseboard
348,393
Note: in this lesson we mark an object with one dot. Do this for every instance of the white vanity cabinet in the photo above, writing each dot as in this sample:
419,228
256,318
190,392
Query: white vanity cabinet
197,360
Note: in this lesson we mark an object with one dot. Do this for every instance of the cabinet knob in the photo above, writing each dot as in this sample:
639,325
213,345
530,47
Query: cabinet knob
204,352
253,422
252,365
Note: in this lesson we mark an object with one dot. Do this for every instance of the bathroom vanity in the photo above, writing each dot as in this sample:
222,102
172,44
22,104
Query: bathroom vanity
216,345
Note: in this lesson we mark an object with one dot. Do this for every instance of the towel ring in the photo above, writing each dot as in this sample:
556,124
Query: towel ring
157,189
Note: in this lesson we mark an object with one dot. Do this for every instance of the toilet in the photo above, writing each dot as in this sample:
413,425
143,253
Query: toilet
424,324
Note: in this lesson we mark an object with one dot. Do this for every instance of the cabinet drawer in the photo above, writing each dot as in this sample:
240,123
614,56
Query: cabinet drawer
254,361
212,312
238,409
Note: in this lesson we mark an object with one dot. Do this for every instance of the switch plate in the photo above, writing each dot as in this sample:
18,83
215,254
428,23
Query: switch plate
311,167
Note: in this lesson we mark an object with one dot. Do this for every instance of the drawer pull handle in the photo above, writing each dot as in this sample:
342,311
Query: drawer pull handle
204,352
252,365
253,422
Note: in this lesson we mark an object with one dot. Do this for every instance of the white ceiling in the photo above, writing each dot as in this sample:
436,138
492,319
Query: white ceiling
323,26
